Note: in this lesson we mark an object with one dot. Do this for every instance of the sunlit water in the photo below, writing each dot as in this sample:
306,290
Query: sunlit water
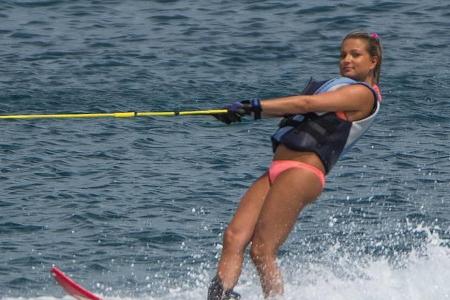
135,208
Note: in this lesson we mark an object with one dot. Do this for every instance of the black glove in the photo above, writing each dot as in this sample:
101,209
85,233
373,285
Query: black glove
239,109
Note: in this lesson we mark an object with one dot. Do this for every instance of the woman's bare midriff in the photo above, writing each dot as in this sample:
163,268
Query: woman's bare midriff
284,153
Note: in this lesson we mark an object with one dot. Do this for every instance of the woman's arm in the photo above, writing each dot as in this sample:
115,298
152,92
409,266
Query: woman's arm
355,98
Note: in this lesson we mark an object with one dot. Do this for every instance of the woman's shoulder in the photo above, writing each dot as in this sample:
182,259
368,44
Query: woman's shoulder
339,82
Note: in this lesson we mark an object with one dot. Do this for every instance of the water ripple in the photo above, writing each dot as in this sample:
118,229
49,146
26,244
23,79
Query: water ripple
140,204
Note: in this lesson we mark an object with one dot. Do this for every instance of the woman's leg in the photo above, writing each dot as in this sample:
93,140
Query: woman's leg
240,231
289,194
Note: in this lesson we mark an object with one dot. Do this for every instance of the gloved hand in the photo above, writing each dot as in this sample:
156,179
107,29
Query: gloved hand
239,109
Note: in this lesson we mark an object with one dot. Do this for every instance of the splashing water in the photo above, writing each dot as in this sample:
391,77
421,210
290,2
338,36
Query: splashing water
421,274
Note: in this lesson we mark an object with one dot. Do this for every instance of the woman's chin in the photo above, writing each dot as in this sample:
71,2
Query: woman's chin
349,75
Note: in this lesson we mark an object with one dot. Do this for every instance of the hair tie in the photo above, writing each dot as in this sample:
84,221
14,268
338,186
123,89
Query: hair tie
374,35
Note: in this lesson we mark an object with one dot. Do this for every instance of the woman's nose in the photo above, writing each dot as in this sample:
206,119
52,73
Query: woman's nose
347,58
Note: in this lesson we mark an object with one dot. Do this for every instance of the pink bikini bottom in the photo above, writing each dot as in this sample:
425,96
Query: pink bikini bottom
279,166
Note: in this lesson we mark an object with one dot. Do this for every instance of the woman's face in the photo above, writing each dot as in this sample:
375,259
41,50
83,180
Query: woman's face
355,61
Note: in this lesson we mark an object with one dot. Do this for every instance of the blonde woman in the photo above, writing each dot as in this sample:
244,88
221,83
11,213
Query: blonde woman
318,126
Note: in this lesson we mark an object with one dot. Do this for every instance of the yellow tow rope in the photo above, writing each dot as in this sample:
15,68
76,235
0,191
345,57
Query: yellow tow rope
129,114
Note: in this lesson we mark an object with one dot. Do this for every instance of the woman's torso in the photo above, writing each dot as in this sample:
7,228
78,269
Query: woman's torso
284,153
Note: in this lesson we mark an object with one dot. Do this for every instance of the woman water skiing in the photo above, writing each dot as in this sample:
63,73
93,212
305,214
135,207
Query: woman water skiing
318,127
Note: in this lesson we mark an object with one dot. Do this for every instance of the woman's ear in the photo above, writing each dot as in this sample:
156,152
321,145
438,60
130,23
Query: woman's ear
374,62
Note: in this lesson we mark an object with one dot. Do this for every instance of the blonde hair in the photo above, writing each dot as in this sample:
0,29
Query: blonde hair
373,47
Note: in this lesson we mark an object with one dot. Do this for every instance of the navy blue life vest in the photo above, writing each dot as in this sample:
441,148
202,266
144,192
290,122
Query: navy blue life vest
325,134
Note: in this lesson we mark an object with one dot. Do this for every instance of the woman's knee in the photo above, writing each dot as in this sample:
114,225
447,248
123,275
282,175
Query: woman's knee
262,254
235,238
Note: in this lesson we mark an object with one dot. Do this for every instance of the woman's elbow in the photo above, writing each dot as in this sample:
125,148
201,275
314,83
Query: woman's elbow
304,105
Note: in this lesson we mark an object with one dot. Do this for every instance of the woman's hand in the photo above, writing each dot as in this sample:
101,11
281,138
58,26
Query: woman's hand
239,109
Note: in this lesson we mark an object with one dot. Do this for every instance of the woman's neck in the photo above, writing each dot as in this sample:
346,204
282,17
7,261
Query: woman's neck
370,79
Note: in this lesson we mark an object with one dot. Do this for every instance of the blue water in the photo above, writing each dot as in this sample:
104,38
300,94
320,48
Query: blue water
135,208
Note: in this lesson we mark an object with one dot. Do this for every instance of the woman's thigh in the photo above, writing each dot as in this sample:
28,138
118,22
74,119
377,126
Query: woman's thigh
247,213
289,194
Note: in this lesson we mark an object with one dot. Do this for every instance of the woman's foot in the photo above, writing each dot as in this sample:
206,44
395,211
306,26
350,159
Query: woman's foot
216,291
